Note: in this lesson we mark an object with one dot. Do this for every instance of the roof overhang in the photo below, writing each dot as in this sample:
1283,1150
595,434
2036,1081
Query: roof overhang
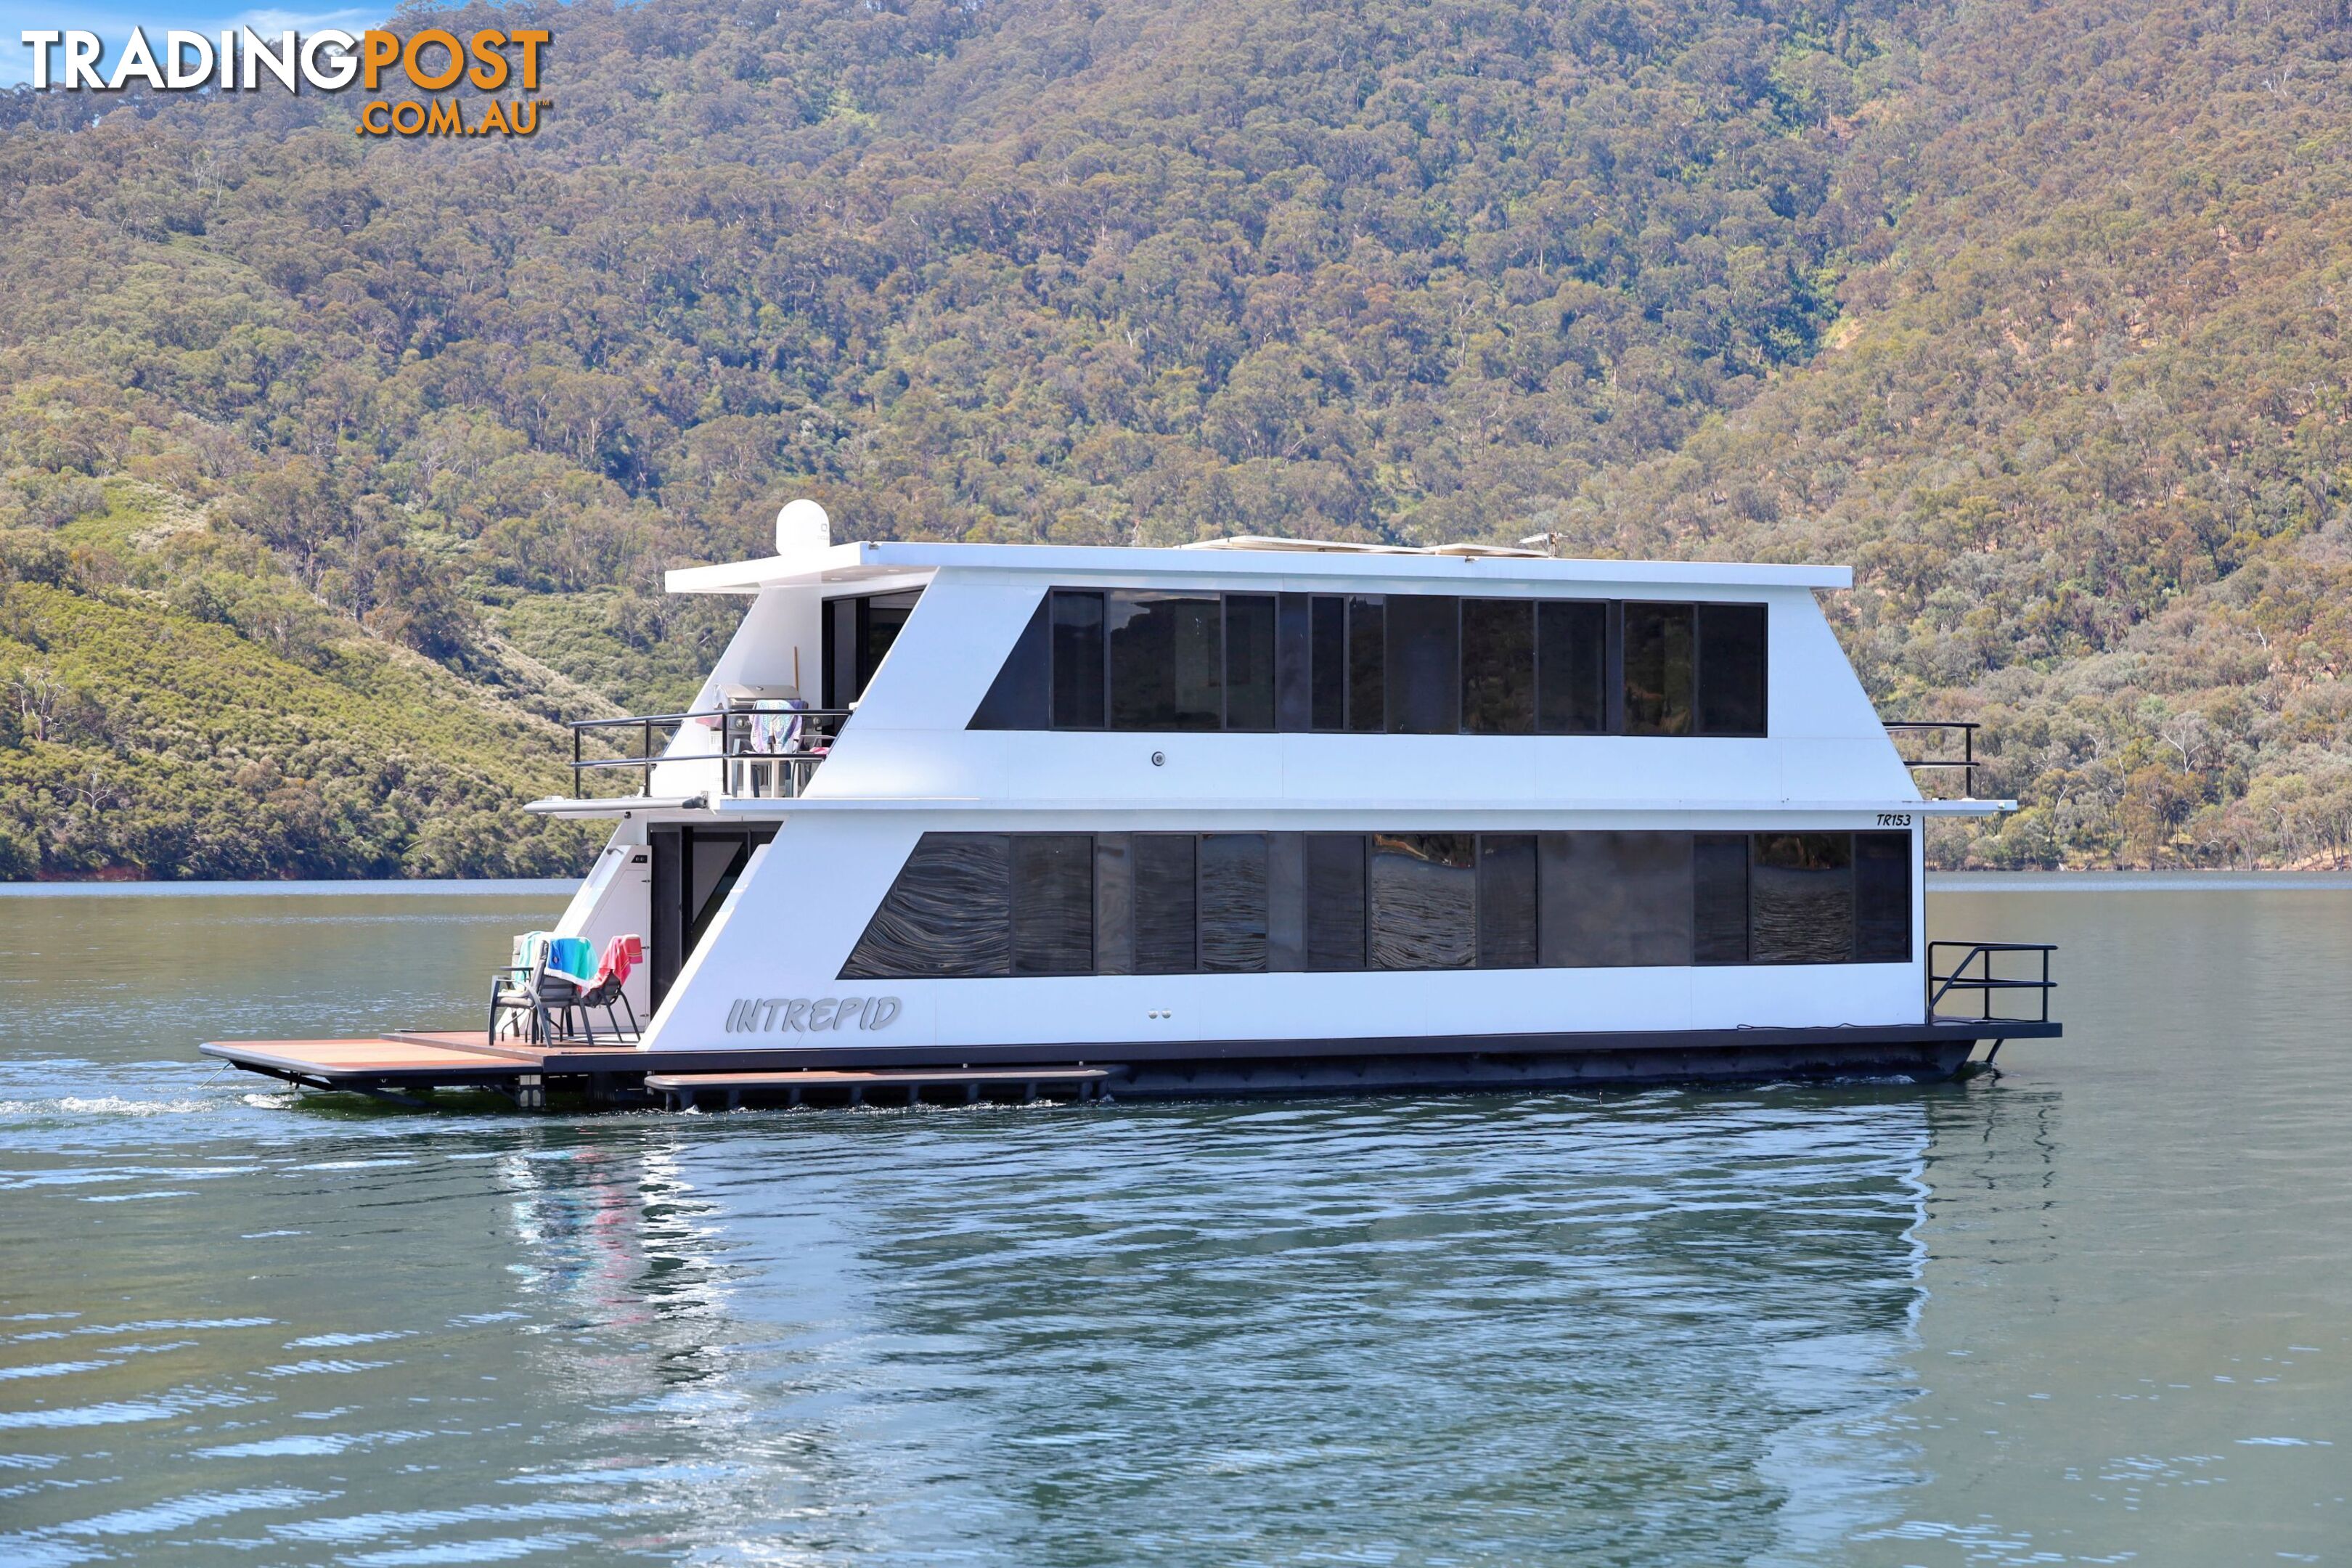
870,563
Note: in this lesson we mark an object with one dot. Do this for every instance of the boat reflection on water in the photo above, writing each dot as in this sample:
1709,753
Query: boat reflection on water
1639,1328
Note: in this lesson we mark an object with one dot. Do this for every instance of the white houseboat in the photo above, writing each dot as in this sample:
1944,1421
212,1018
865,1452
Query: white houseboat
1250,817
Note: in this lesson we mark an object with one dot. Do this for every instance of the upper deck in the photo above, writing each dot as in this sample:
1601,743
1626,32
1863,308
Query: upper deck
1248,676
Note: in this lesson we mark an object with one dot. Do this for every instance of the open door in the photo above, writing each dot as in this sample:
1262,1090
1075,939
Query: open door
694,870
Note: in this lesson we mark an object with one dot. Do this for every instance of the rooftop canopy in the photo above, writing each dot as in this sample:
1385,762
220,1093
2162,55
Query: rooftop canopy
1226,559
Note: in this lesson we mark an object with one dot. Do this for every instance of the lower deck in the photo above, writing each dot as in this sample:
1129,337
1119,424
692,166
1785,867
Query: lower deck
402,1064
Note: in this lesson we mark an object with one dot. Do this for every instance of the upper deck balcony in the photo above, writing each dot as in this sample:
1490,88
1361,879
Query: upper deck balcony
752,751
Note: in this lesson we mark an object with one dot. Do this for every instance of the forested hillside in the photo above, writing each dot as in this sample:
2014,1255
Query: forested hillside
382,446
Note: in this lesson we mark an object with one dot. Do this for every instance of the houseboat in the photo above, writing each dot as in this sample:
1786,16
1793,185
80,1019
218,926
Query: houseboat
1254,816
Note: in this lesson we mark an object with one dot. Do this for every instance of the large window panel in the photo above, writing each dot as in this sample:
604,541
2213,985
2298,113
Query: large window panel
1022,695
947,916
1507,900
1658,674
1801,898
1166,904
1335,901
1498,667
1232,903
1167,661
1424,899
1571,666
1615,900
1882,898
1327,635
1367,690
1286,902
1294,665
1719,910
1731,670
1078,660
1249,661
1114,904
1053,903
1424,676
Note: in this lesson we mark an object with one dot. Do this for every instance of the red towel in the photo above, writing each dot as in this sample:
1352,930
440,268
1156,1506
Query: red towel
621,954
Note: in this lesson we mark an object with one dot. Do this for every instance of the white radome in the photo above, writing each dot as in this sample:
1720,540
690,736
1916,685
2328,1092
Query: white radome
802,525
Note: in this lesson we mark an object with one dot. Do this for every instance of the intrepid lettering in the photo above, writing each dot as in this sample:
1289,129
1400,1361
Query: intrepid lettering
807,1015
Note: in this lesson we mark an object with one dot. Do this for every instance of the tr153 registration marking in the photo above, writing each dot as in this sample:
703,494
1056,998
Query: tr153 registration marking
1893,819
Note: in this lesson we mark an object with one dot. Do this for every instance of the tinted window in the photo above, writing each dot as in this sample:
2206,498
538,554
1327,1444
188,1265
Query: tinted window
1498,667
948,915
1801,898
1232,902
1425,678
1571,668
1114,904
1507,900
1731,669
1249,661
1077,660
1053,903
1293,664
1166,904
1882,898
1657,669
1335,900
1424,898
1615,900
1719,911
1167,661
1285,901
1367,664
1329,676
1020,697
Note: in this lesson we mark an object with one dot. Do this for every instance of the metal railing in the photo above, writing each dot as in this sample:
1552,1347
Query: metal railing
1965,762
1984,983
763,754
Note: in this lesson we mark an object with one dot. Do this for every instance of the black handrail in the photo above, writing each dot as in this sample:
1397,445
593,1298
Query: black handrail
815,731
1965,762
1941,985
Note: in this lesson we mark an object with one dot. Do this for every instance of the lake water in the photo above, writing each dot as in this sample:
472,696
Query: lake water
2099,1310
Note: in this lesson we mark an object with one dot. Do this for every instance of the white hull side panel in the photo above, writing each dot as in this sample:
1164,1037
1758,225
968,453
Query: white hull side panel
804,900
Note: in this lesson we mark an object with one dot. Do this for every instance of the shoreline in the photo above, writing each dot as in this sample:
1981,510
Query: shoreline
560,887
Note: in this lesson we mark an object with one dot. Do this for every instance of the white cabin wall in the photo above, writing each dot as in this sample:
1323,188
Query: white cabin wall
1832,743
616,899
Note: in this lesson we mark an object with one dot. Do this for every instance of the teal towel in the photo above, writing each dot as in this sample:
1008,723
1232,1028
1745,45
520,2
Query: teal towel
572,958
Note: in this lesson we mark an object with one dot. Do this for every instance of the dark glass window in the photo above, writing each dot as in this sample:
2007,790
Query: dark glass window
1166,904
1020,697
1368,695
1249,661
1731,669
1801,898
1424,676
1114,904
1293,664
1615,900
1167,661
1329,678
1882,898
1286,902
1507,900
1232,903
1053,903
1335,900
1719,911
1424,899
1077,660
1657,669
1571,666
1498,667
948,915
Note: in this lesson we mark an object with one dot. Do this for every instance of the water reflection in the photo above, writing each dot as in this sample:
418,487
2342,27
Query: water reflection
1541,1330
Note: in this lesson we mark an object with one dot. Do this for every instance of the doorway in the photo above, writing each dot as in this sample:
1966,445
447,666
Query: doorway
694,870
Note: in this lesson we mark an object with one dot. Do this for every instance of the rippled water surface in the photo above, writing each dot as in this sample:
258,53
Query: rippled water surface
2098,1311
